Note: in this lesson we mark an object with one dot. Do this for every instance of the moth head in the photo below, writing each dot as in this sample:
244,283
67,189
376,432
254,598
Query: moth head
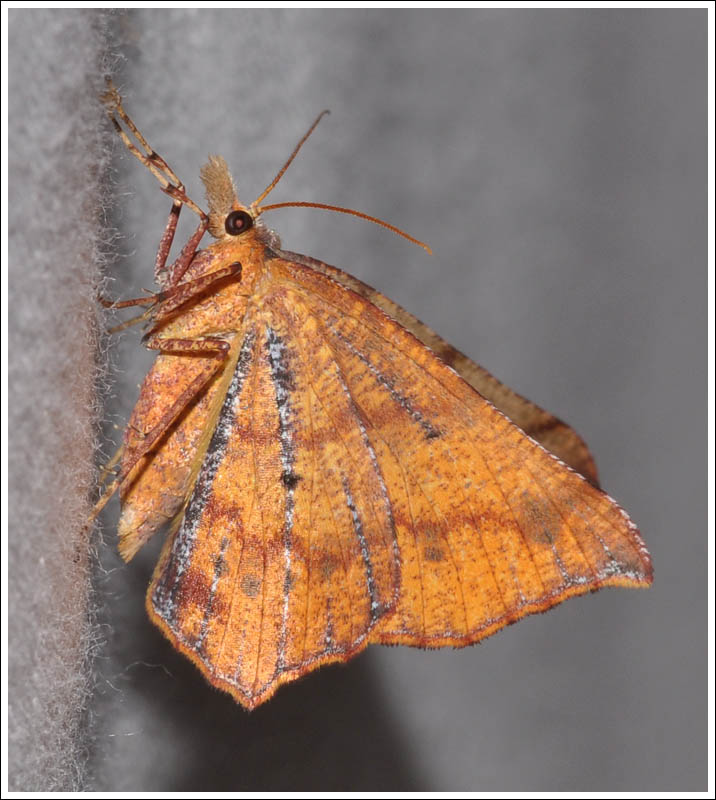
227,216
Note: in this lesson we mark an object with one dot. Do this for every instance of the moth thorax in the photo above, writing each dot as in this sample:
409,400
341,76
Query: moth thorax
220,193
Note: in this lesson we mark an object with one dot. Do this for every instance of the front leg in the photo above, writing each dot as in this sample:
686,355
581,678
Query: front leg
170,185
170,276
163,304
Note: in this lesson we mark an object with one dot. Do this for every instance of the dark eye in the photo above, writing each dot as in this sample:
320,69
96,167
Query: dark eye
238,222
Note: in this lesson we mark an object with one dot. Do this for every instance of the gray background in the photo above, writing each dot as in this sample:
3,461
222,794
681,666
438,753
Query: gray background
556,163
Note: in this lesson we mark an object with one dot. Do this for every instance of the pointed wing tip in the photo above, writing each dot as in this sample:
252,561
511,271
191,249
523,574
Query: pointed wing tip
248,702
642,575
251,700
646,578
247,698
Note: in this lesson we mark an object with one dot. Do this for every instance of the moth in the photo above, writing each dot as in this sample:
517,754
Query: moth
330,472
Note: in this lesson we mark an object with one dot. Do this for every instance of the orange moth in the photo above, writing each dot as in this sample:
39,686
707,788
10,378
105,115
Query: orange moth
330,472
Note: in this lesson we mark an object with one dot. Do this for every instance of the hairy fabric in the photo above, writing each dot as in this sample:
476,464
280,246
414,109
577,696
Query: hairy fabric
56,158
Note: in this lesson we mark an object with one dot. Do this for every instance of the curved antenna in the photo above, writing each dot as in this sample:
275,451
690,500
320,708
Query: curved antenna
288,163
260,210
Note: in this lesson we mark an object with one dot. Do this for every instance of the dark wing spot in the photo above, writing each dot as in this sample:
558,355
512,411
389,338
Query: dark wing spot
329,564
290,479
250,585
434,554
542,522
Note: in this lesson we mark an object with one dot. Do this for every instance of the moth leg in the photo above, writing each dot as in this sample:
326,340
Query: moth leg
108,468
165,244
168,179
170,276
214,349
170,185
171,299
177,296
148,300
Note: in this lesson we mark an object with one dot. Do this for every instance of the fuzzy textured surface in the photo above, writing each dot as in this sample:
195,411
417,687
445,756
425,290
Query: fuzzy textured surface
56,158
554,161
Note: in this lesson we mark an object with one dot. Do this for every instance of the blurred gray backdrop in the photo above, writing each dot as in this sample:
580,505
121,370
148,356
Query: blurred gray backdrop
555,161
